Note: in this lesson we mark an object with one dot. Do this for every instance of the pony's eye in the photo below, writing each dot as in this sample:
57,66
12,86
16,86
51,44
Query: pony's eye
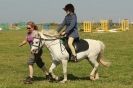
36,42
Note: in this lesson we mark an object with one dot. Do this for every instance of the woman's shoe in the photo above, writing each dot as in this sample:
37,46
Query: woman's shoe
28,80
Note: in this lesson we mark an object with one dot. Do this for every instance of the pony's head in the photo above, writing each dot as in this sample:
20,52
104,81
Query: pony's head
41,38
37,43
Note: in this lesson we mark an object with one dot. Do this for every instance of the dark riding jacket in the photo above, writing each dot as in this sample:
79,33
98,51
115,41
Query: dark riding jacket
70,21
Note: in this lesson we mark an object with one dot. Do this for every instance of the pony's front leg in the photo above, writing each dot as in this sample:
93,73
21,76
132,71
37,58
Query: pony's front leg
64,65
52,67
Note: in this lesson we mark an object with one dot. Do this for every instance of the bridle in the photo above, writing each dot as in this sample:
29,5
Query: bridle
41,39
40,42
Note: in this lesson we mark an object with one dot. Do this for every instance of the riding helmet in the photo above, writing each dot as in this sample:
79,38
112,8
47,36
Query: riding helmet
69,7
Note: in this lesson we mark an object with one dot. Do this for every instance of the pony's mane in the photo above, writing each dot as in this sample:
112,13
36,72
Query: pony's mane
49,32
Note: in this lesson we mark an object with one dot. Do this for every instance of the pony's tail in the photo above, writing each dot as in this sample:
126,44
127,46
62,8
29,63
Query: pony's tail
101,56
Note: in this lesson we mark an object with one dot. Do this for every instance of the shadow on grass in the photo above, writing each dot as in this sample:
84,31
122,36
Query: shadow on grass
70,77
36,78
73,77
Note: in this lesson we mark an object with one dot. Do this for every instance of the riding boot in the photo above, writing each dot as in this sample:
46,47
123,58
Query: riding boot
74,58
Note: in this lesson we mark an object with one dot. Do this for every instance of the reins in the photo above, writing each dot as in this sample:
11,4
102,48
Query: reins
57,37
52,40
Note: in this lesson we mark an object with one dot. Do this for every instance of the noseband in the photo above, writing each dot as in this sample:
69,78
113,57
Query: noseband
40,42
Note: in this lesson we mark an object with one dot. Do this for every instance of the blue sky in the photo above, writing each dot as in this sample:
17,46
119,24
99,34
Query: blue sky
51,10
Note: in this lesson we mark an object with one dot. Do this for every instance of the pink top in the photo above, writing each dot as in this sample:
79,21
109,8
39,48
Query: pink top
30,36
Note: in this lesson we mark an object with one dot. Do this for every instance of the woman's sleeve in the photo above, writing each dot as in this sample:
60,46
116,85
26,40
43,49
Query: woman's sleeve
61,26
72,24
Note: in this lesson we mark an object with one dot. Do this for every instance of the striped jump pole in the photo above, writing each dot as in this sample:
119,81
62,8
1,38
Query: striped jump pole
87,26
124,25
105,25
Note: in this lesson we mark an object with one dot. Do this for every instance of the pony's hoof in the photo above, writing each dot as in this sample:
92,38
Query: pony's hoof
56,78
96,78
63,81
92,77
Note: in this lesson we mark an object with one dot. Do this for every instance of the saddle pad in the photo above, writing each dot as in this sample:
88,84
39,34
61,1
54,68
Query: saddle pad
81,45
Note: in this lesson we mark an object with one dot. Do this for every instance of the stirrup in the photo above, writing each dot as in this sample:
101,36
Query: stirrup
74,58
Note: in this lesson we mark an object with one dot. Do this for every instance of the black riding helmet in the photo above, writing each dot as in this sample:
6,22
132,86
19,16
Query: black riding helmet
69,7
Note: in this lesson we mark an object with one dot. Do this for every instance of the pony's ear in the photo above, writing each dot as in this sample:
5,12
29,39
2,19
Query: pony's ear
36,36
42,31
40,34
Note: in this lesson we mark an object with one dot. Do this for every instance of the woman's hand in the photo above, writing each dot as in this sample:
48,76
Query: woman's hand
23,43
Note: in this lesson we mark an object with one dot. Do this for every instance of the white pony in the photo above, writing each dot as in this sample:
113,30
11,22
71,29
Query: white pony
60,55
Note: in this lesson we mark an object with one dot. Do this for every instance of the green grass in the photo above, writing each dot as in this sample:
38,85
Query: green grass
119,50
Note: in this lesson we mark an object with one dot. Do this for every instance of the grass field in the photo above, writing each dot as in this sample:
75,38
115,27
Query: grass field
119,50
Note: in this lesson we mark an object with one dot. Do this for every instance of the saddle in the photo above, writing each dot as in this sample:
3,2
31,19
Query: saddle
80,45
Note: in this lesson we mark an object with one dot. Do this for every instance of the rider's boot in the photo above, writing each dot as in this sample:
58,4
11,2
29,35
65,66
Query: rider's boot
74,58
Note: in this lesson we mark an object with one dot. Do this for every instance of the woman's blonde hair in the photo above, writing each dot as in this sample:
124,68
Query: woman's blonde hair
33,25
